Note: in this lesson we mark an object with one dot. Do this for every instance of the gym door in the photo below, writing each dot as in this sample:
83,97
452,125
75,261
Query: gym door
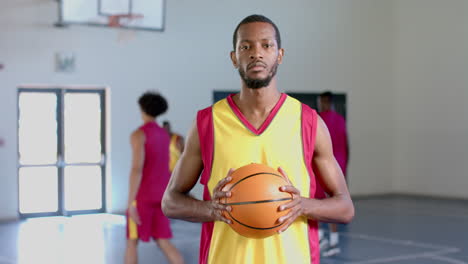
61,151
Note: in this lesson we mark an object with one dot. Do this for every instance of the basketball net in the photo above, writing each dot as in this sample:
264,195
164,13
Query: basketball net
125,23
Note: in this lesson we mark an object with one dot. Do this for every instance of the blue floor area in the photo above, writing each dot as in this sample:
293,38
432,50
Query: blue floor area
386,229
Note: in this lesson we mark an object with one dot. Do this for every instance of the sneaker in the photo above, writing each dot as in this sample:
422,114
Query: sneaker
331,251
323,244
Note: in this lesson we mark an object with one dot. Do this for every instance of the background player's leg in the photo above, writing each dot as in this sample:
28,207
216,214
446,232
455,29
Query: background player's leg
161,232
131,253
333,244
171,252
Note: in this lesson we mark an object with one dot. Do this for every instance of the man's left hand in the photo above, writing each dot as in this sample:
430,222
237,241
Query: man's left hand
295,205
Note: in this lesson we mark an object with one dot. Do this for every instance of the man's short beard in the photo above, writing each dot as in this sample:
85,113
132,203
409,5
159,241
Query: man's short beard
258,83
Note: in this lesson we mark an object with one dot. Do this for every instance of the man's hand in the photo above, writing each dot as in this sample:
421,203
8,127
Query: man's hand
133,213
295,205
216,207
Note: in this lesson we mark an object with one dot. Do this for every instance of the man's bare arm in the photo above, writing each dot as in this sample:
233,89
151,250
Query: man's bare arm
338,207
137,141
177,203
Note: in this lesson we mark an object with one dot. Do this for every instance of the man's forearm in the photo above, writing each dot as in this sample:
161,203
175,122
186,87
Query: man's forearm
337,209
135,179
185,207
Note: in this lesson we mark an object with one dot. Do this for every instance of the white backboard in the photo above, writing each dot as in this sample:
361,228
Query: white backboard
96,12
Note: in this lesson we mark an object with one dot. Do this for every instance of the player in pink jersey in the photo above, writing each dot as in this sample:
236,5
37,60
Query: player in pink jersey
337,127
256,55
148,180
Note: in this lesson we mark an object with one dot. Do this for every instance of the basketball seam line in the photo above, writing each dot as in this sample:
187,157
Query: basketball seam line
255,174
253,227
262,201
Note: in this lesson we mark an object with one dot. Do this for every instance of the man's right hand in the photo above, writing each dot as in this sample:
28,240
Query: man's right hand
133,213
216,207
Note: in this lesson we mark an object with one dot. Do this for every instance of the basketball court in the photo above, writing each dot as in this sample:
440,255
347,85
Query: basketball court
71,72
387,229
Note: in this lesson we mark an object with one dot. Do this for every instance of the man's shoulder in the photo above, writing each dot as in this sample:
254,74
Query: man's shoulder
137,136
137,132
204,112
211,108
338,115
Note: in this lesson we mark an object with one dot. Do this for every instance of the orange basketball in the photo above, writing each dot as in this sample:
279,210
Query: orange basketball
255,200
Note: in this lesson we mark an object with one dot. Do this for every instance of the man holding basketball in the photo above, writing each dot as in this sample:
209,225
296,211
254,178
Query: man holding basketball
259,125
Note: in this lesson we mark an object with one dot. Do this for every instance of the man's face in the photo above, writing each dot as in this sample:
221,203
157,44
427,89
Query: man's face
257,55
323,103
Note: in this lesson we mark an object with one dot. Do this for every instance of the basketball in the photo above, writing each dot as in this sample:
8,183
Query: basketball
255,200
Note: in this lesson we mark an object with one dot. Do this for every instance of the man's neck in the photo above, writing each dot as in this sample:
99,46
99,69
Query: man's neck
256,104
147,120
257,101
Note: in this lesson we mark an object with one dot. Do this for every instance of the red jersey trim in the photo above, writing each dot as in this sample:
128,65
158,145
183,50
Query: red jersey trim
267,121
309,132
206,233
205,128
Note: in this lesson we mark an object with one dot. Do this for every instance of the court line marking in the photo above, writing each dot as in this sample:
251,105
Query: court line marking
415,210
428,254
398,241
440,250
448,260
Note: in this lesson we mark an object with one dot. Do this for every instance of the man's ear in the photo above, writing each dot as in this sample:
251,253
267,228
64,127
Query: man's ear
280,55
234,59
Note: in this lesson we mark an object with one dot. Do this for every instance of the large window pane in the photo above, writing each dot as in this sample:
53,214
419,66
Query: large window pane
38,189
82,128
83,188
37,128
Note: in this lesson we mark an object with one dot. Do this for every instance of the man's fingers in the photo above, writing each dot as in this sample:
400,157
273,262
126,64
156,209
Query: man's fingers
220,194
230,171
285,226
288,219
219,213
222,218
221,183
283,218
136,218
284,174
289,205
290,189
221,207
225,220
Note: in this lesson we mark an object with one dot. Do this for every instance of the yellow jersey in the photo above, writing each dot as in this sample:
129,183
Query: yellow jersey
286,139
174,152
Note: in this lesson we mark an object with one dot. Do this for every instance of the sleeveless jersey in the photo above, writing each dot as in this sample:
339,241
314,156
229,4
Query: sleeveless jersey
174,152
155,176
286,139
337,127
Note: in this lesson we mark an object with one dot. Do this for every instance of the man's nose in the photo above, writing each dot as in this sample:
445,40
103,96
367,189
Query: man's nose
256,53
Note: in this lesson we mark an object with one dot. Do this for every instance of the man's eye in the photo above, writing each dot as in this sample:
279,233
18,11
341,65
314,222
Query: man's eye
244,47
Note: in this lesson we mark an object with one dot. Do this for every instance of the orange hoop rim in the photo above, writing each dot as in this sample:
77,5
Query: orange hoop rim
115,20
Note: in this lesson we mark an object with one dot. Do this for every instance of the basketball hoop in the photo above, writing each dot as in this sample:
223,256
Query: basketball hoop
122,20
126,23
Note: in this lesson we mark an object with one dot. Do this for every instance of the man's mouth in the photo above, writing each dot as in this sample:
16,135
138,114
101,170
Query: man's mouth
257,66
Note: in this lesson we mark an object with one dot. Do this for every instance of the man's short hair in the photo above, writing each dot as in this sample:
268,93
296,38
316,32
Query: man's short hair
153,104
252,19
328,95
